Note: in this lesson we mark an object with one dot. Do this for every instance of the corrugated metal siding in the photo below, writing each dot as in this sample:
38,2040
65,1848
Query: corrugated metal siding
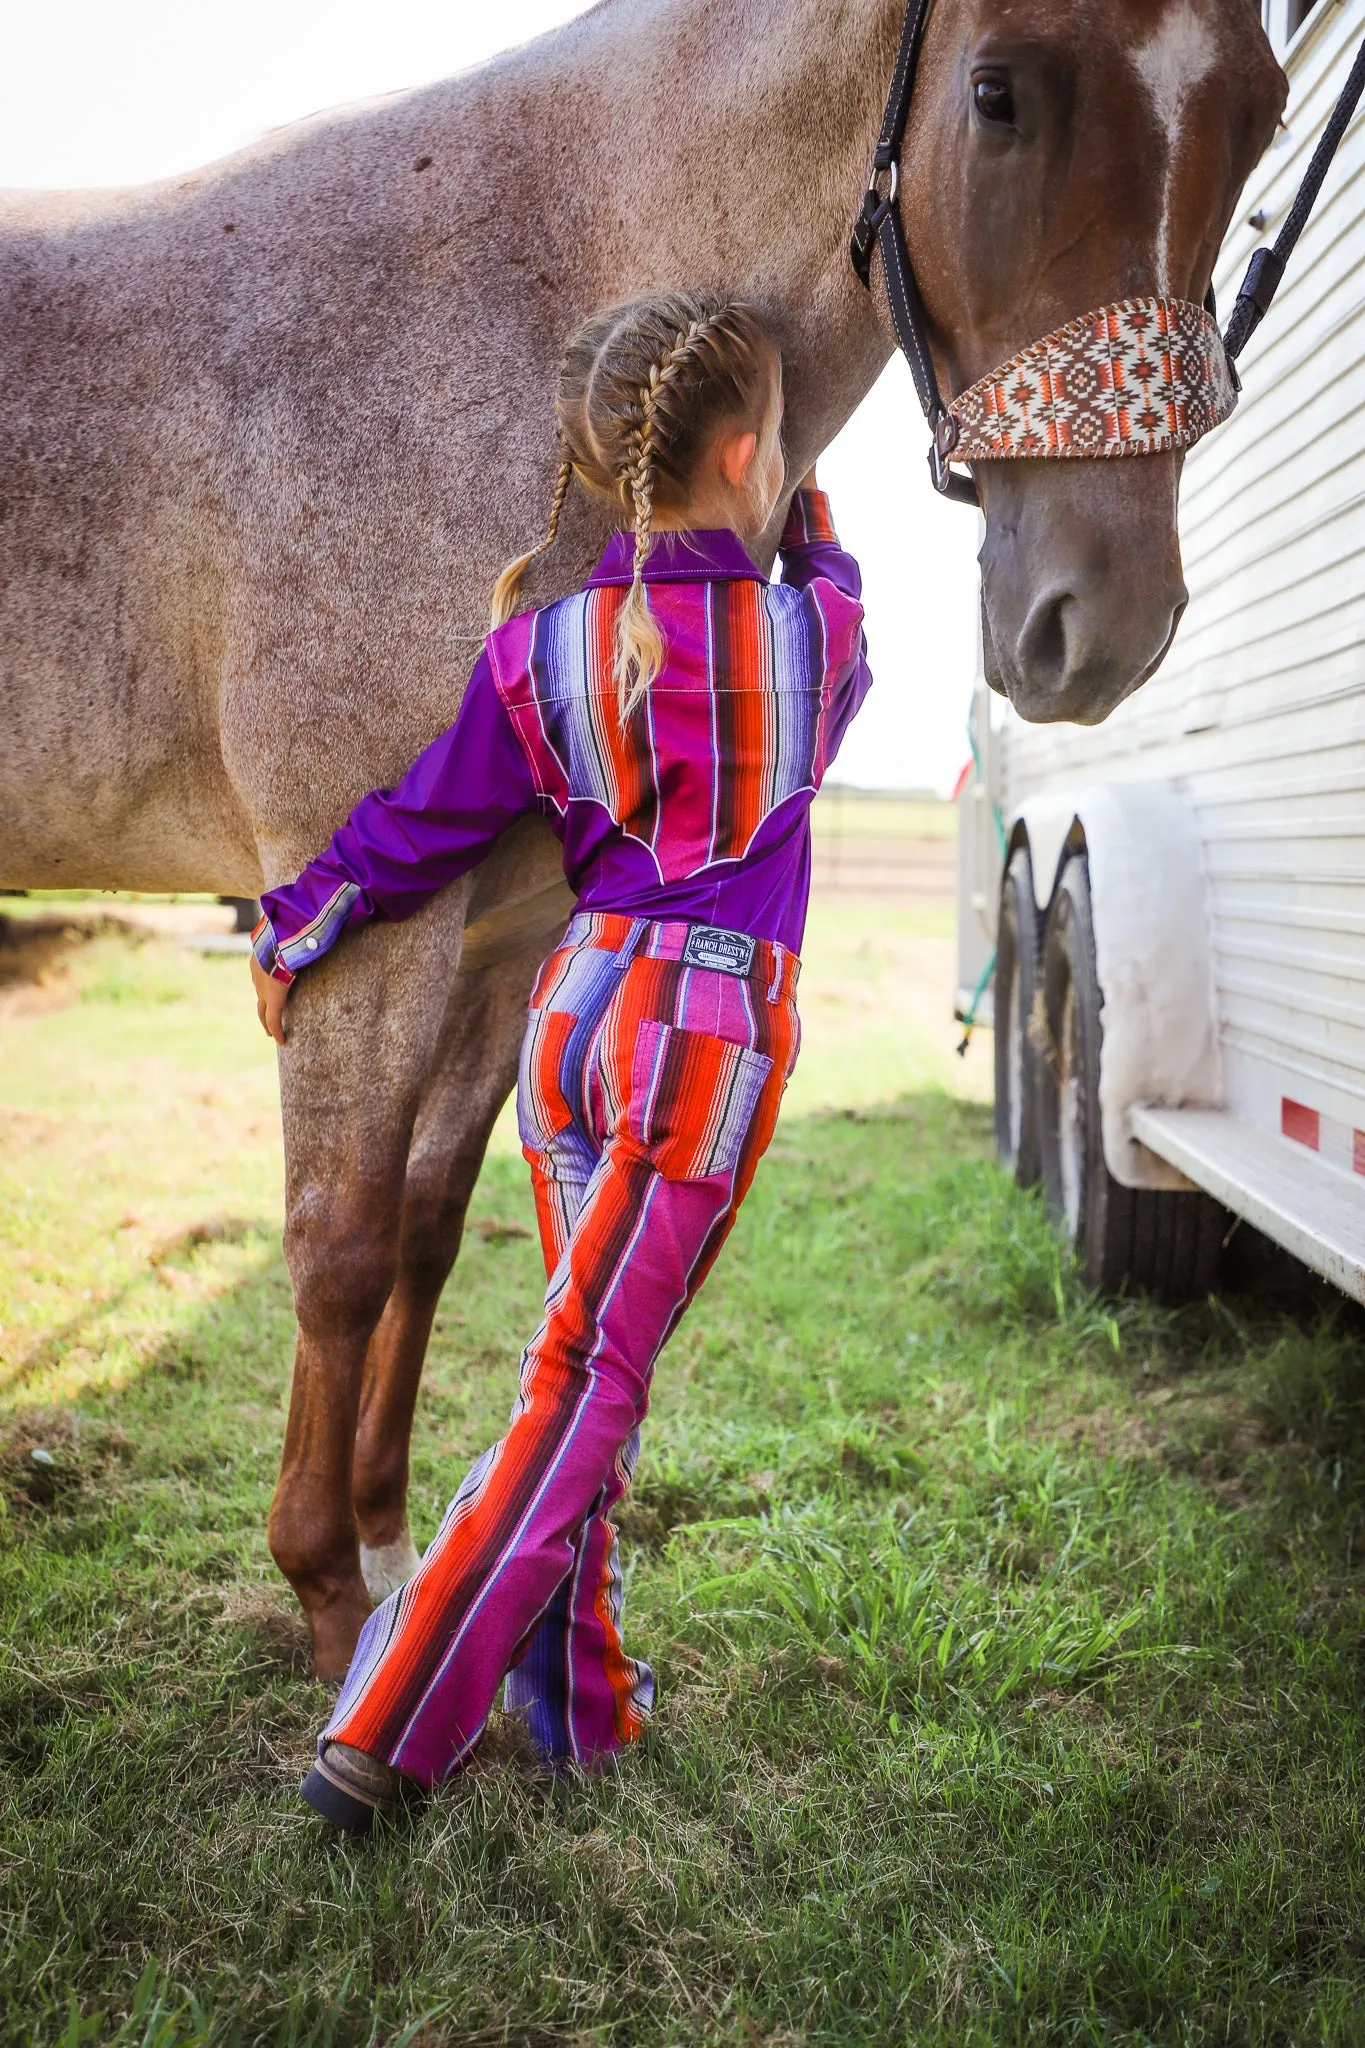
1259,712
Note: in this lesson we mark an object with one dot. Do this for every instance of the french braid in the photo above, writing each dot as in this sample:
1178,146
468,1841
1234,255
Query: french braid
642,389
639,643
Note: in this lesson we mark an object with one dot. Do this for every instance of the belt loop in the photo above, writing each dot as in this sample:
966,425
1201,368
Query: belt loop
779,968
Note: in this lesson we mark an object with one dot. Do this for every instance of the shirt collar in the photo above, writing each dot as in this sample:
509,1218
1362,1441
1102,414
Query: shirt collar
697,556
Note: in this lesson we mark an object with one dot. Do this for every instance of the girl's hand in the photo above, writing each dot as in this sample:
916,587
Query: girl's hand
271,997
808,482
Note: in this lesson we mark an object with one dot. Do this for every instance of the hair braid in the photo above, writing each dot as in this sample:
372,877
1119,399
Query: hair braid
507,589
639,643
642,390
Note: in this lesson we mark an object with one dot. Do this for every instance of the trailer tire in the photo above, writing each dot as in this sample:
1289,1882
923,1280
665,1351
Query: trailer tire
1164,1244
1016,983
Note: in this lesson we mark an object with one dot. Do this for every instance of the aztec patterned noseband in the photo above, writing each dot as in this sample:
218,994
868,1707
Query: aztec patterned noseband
1139,377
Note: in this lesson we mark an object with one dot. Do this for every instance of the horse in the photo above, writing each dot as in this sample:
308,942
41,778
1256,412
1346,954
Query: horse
268,431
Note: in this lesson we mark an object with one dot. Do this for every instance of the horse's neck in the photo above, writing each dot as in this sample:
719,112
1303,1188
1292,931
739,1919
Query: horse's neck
732,146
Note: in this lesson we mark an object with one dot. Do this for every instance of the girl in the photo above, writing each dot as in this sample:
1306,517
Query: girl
673,720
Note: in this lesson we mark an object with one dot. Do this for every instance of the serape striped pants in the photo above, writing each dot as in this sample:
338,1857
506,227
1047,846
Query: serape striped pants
648,1092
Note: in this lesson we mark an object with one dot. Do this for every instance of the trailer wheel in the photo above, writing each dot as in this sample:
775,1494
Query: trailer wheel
1016,981
1165,1244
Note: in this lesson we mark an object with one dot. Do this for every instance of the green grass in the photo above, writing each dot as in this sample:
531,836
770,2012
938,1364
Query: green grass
1010,1642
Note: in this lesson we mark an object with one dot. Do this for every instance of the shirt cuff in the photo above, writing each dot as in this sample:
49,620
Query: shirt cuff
266,947
810,523
302,948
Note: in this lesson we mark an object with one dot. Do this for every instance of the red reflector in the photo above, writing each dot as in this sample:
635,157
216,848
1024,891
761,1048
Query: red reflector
1358,1151
1299,1122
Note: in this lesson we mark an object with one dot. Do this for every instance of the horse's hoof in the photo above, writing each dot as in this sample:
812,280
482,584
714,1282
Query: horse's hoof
348,1787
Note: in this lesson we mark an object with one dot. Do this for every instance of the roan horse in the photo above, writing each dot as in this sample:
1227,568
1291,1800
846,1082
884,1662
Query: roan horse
268,431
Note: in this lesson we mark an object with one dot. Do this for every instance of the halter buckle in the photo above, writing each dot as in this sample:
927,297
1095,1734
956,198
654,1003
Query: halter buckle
949,482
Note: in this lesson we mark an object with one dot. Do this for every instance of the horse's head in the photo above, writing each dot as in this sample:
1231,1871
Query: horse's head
1064,154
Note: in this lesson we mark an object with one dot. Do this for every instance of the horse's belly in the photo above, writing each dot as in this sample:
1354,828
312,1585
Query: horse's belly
174,849
111,773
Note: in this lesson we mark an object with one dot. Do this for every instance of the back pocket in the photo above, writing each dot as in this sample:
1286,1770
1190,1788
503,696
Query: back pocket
692,1099
543,1106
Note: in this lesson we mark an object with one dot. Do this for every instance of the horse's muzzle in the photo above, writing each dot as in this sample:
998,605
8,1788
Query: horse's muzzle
1081,582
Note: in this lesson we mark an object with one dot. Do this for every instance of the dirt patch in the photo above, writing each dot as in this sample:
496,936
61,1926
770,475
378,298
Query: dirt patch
50,1460
497,1230
1112,1435
213,1230
278,1632
31,947
35,951
36,955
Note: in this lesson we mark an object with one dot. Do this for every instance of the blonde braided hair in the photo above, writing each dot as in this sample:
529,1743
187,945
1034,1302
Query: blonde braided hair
642,389
639,643
507,589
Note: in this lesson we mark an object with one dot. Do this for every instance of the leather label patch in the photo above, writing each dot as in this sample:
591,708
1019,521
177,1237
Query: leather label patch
709,946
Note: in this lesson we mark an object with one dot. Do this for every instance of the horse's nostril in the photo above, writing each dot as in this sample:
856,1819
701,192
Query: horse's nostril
1045,644
1081,652
1177,614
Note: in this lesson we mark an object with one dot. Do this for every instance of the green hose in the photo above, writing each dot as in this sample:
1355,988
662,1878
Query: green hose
969,1021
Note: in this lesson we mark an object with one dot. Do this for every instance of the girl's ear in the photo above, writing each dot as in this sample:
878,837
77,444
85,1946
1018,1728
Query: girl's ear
736,452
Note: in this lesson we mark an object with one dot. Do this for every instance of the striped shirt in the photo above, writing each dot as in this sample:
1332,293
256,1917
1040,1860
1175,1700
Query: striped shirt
696,809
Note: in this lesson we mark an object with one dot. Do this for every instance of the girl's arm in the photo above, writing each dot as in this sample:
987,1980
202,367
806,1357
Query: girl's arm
811,555
810,547
399,846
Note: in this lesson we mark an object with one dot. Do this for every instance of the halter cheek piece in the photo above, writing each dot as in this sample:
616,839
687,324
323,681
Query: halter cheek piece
1141,377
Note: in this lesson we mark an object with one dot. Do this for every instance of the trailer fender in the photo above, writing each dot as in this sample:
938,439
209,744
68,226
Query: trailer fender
1153,953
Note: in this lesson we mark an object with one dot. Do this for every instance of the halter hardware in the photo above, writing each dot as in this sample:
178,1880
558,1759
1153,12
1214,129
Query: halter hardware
951,483
876,206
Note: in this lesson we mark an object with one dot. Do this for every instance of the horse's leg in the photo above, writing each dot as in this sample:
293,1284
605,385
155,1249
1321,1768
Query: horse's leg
363,1031
474,1072
471,1082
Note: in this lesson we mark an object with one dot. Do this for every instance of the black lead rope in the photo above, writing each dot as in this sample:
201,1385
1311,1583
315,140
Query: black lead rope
879,227
1267,266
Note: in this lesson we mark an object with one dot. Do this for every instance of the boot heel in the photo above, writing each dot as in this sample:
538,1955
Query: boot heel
347,1787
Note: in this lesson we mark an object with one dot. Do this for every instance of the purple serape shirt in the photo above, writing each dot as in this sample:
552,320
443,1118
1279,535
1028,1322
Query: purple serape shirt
697,809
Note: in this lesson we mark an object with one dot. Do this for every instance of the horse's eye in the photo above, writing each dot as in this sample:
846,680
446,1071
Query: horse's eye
993,100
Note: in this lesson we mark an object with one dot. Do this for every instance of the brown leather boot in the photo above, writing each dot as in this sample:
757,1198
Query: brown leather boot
348,1787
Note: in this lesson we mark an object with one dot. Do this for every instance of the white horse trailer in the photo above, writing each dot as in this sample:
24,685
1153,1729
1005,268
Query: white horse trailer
1175,900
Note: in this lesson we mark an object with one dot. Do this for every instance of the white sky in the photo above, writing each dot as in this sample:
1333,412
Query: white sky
112,92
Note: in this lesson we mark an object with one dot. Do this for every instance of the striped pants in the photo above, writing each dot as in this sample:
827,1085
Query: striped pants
648,1092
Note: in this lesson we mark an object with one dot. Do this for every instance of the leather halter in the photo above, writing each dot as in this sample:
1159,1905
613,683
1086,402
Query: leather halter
1140,377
